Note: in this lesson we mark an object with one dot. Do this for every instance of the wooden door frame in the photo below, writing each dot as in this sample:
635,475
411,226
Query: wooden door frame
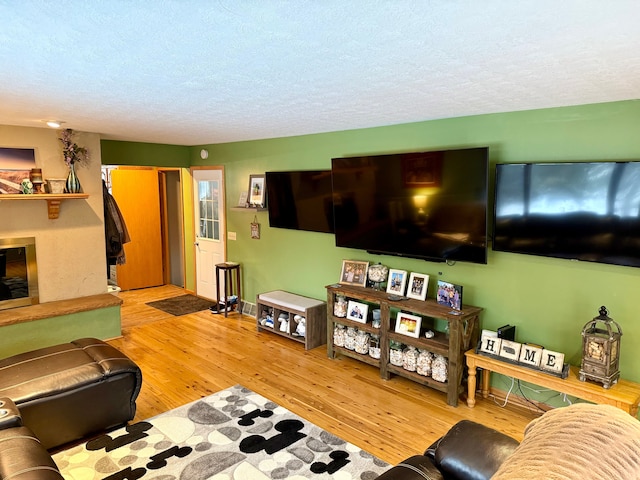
166,260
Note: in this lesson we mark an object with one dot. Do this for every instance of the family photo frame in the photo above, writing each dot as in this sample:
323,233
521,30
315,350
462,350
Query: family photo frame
354,273
357,311
396,282
418,284
408,324
449,295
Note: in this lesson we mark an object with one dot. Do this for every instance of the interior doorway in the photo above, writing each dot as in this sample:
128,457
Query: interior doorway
210,227
150,200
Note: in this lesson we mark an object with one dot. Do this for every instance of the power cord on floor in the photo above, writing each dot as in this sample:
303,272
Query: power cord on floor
534,405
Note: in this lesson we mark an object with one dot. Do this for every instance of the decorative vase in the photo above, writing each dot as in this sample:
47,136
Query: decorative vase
73,184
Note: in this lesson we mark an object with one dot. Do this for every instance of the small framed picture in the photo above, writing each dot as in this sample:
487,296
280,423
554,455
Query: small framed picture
257,192
354,273
396,282
357,311
408,324
418,284
449,295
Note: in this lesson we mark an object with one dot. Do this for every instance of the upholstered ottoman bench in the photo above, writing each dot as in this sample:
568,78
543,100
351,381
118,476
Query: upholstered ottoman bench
66,392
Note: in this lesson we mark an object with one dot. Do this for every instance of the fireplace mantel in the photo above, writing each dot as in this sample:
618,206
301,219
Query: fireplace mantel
53,200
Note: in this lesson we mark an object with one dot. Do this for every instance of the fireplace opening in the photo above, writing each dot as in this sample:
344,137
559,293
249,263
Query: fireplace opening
18,272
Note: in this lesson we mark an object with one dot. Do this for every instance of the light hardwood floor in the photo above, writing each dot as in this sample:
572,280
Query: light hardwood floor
192,356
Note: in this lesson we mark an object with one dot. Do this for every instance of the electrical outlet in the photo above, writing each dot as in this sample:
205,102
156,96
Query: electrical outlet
231,235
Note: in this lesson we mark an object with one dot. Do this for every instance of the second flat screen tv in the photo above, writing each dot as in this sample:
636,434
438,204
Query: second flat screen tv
428,205
587,211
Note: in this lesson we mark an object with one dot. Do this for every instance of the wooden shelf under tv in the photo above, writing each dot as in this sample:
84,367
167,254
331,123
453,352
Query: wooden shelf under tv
53,200
463,335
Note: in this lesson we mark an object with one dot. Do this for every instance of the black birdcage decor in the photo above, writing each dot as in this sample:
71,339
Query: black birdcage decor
601,350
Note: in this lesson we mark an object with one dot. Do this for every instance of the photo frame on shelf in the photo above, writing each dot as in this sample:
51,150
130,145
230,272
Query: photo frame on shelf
449,295
418,284
396,282
408,324
357,311
15,165
354,273
257,191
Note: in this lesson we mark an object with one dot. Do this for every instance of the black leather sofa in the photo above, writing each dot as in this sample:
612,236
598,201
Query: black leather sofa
59,394
468,451
22,456
68,391
577,442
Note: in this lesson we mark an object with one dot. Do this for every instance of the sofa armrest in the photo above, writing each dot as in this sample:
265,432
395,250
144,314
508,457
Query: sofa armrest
470,451
418,467
9,414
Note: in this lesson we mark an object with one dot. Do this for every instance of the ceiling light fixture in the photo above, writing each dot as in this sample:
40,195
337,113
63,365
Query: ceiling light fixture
54,123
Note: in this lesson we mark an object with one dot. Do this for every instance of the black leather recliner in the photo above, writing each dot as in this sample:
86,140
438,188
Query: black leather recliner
468,451
22,456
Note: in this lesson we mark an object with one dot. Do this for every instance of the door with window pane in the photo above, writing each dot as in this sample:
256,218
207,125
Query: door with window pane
209,223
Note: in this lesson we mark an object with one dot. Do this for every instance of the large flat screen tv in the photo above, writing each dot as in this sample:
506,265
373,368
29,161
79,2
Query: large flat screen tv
300,200
428,205
582,211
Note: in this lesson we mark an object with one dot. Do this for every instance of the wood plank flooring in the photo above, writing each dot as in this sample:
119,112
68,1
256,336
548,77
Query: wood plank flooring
188,357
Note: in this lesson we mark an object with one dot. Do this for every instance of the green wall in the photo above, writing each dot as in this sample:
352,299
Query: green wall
549,300
103,323
143,154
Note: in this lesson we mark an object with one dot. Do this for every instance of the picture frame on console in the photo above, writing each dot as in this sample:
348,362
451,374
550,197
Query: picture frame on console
357,311
418,284
354,273
396,282
257,191
408,324
449,295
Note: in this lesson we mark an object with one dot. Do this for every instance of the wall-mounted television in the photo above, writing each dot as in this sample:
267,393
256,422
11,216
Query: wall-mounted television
586,211
300,200
428,205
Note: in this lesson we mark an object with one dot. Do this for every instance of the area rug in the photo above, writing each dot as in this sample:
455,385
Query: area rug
234,434
181,305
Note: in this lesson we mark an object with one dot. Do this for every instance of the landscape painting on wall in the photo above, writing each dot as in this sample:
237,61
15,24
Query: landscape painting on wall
15,165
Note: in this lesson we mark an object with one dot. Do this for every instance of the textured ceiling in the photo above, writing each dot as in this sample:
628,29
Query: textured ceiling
196,72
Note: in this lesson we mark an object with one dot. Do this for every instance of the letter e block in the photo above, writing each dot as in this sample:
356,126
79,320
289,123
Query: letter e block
552,361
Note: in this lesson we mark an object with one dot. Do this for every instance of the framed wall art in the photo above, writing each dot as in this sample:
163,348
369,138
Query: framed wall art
396,282
354,273
257,191
15,165
357,311
418,284
408,324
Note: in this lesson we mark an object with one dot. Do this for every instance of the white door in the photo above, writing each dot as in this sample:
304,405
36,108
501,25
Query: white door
209,223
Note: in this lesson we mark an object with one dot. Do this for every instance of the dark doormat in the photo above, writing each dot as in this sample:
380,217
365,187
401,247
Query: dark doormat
182,305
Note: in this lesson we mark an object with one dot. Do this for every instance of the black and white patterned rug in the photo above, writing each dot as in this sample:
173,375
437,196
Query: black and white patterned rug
234,434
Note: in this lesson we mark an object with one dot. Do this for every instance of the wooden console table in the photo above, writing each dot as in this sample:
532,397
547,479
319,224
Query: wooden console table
624,394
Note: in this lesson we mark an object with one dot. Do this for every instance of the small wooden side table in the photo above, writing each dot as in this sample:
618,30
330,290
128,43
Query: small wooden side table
624,394
229,270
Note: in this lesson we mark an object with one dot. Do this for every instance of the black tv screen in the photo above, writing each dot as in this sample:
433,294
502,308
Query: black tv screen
429,205
583,211
300,200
